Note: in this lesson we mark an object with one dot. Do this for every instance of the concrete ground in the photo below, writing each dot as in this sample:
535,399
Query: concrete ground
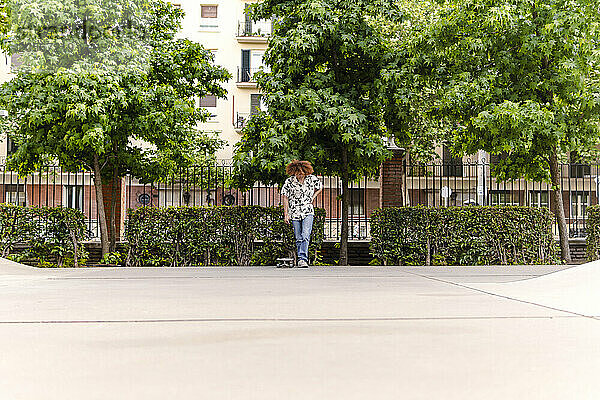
322,333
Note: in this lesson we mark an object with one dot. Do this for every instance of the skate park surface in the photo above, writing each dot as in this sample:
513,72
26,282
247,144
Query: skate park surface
530,332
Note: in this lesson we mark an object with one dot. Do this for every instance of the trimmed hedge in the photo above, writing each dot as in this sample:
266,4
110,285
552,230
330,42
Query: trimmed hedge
238,235
52,235
592,228
463,236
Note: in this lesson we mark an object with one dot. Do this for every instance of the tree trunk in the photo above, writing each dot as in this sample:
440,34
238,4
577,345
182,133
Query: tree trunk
100,206
345,197
559,210
113,210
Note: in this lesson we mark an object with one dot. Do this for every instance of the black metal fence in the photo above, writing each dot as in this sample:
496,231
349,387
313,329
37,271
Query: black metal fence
472,183
248,28
245,74
436,184
209,186
52,187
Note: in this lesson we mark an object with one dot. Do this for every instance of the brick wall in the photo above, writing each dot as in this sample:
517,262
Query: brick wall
392,178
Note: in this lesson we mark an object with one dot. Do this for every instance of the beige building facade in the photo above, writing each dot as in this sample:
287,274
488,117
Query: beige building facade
238,45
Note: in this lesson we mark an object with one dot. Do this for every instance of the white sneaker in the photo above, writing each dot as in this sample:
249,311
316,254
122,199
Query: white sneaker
302,264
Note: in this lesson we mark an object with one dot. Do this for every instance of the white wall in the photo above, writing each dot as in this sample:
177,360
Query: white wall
227,49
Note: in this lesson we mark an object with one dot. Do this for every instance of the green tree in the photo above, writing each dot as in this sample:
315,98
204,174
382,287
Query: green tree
4,17
106,87
518,76
407,98
323,92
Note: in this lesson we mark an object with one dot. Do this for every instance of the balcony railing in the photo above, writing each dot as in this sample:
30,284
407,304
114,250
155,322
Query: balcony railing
240,120
247,74
251,29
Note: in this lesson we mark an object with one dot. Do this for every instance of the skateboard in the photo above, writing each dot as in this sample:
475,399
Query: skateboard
285,263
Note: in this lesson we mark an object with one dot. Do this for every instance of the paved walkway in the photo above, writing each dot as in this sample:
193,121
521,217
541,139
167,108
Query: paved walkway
322,333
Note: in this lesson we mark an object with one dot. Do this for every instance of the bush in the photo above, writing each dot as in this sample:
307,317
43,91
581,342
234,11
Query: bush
52,235
592,228
112,258
239,235
463,236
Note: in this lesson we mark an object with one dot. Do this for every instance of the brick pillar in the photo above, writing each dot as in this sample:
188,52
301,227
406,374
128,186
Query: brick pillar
120,200
391,191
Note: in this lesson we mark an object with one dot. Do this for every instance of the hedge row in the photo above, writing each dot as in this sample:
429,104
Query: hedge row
52,235
239,235
593,233
463,236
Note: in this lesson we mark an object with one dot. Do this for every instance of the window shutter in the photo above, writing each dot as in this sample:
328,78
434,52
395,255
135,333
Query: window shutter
255,103
208,101
208,11
245,66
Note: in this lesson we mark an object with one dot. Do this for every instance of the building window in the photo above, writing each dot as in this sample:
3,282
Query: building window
257,104
502,198
16,60
252,62
577,167
496,158
15,194
209,17
74,197
452,166
11,147
357,201
579,203
208,11
208,101
539,199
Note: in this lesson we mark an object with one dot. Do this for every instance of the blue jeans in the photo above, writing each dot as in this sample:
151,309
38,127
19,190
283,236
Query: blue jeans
302,230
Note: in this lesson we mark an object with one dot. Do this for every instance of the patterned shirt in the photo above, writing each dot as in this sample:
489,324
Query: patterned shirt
300,195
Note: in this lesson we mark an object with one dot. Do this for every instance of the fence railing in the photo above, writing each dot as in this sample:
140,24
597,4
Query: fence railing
246,75
52,187
252,29
472,183
208,186
240,120
435,185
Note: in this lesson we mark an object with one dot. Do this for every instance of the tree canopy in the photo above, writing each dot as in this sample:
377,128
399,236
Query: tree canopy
98,34
323,92
518,77
107,88
4,17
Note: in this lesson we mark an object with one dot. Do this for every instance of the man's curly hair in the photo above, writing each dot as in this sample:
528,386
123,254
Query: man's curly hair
296,166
